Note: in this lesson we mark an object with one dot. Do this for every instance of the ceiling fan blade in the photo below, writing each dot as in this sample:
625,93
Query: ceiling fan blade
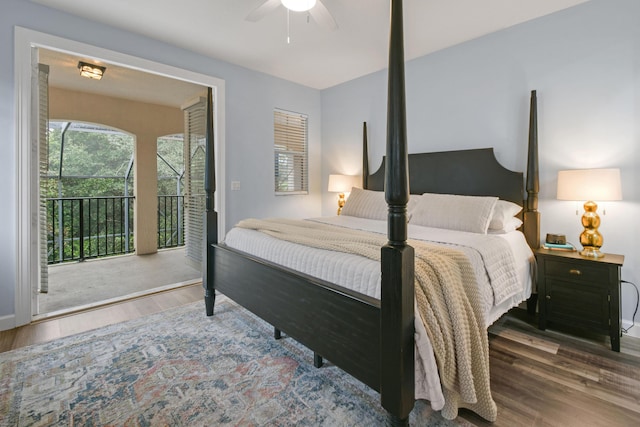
264,9
322,16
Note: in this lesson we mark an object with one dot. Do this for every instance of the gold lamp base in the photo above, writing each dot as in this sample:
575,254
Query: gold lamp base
591,252
591,239
341,201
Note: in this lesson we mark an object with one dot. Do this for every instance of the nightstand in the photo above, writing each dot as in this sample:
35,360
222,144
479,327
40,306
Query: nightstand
580,292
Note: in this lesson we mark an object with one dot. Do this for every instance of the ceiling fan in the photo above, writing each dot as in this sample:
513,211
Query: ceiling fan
315,8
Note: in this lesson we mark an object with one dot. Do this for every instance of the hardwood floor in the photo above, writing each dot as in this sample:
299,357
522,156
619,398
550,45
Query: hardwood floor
56,327
538,378
552,378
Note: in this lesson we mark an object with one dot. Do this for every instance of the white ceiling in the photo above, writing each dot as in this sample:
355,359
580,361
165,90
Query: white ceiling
316,57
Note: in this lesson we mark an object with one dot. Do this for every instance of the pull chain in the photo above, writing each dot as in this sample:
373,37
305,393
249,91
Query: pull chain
288,29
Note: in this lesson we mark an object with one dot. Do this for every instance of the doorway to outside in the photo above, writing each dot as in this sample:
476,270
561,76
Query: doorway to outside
97,195
28,282
87,192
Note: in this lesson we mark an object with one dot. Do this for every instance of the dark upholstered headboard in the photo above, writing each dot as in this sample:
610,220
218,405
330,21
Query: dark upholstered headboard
473,172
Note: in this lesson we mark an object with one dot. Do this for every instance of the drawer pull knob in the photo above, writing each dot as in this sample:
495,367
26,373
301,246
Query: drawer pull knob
575,271
548,297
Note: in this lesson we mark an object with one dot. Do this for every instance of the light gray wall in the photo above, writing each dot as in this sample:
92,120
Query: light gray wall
250,100
585,64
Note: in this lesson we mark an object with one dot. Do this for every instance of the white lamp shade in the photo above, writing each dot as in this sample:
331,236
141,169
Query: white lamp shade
589,185
298,5
343,183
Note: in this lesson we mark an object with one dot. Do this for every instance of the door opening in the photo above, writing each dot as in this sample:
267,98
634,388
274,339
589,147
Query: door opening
29,274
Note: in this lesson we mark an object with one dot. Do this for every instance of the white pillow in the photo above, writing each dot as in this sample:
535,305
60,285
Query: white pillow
462,213
365,204
510,225
370,204
502,214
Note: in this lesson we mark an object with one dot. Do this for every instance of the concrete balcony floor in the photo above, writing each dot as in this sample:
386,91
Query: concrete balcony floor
81,285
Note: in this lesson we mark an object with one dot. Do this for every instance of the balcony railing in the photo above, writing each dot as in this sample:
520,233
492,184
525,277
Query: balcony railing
170,221
79,228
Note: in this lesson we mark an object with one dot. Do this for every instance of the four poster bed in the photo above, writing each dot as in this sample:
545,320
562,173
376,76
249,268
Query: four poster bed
371,332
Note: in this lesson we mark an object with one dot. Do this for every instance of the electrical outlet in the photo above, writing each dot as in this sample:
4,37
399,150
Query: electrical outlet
235,185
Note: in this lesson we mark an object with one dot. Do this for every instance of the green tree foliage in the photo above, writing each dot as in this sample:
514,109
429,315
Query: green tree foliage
171,151
95,164
170,183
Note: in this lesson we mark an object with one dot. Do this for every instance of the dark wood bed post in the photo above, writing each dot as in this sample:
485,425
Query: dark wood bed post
397,383
365,157
531,215
211,215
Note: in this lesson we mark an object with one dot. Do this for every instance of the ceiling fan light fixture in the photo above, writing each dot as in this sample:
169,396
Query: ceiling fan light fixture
298,5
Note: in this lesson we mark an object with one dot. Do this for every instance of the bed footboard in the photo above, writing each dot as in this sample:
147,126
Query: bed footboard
335,323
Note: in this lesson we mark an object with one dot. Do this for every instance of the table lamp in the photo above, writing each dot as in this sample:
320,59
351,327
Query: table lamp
590,185
342,184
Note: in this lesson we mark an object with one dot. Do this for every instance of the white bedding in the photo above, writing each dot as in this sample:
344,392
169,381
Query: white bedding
363,275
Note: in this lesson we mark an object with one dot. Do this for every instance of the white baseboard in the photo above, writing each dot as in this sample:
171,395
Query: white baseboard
633,332
7,322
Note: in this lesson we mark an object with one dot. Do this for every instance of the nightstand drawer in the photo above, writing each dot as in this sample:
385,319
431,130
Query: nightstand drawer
576,271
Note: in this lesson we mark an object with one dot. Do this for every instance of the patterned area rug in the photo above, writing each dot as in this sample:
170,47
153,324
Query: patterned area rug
180,368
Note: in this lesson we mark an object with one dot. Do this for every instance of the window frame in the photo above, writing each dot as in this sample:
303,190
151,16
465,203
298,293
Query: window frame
293,144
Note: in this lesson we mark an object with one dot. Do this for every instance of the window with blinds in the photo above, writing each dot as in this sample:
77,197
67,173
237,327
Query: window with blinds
290,152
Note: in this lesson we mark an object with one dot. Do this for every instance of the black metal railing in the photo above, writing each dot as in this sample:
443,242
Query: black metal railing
88,227
79,228
170,221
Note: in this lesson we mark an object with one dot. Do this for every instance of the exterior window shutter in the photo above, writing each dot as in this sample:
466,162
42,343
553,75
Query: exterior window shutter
290,153
195,195
41,98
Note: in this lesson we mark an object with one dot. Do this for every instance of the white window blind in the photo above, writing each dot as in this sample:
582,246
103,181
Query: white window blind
290,149
195,196
41,101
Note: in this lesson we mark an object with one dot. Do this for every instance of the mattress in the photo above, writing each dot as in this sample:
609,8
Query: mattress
363,275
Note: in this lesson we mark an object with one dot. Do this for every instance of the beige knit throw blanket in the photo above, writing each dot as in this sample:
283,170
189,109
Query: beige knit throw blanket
447,298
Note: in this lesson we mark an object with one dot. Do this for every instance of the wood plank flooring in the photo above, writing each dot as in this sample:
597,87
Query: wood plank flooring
65,325
560,378
538,378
